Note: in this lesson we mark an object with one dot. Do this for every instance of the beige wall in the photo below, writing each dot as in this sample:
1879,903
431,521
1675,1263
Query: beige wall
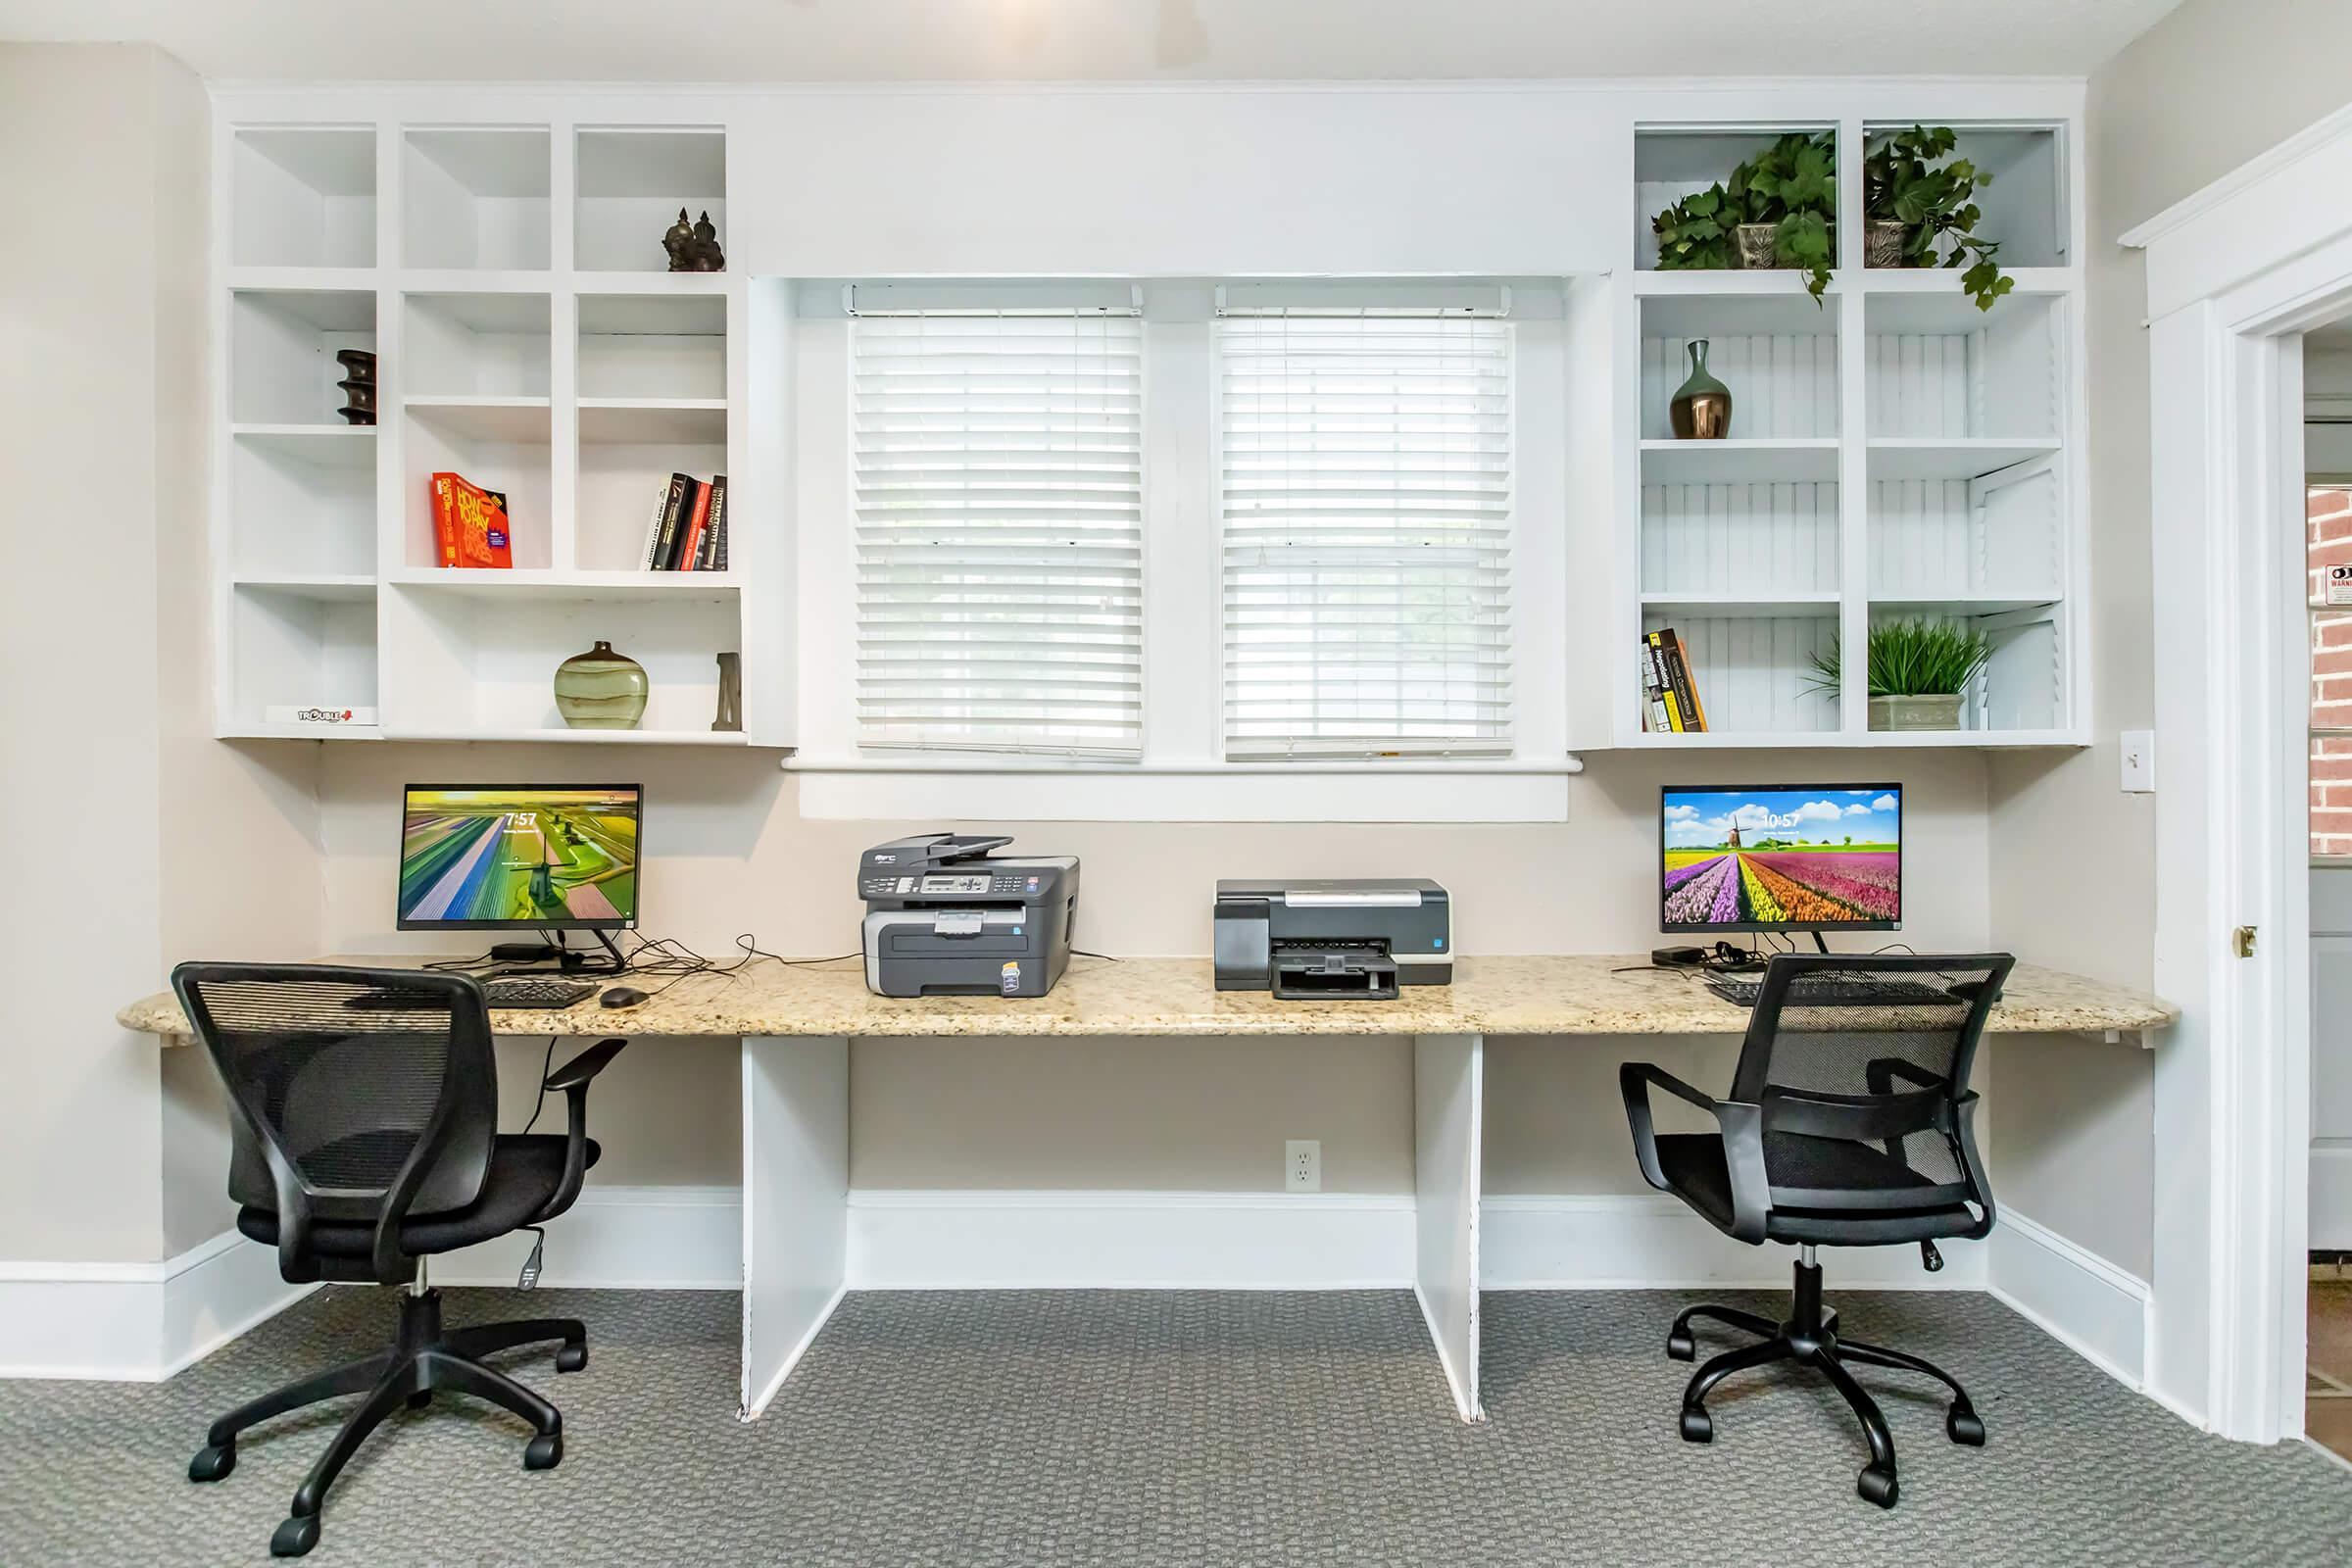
727,851
2072,870
138,838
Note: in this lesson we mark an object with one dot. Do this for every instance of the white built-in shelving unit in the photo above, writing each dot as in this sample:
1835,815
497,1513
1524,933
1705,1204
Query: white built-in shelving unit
1893,452
512,281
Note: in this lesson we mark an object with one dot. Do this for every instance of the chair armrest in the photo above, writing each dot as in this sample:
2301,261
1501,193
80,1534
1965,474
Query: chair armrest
572,1078
586,1065
1740,1124
1882,1071
1964,1120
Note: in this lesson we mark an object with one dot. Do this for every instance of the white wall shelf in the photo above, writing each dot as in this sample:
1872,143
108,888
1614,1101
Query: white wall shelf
1894,451
1966,458
476,197
654,421
512,280
513,420
585,587
331,587
632,182
1740,462
305,196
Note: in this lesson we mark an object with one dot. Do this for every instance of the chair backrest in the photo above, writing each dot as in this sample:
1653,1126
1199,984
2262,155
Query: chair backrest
343,1079
1889,1074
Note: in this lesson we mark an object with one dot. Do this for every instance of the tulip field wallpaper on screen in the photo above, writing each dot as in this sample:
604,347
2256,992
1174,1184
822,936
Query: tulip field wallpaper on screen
1796,855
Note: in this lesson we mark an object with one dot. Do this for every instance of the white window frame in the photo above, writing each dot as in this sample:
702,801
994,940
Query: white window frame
1182,776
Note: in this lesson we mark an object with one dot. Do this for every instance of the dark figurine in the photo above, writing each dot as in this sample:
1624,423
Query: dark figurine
704,254
358,385
679,242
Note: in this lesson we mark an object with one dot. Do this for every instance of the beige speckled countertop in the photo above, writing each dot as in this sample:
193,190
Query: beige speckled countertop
1500,996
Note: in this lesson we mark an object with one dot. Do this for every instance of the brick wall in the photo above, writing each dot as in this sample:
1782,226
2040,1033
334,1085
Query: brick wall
2328,514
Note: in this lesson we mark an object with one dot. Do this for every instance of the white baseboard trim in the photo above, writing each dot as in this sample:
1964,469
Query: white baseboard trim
136,1322
2074,1296
142,1322
1653,1242
624,1238
911,1240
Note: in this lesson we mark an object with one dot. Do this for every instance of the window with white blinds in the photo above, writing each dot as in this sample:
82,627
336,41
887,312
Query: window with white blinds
998,502
1366,497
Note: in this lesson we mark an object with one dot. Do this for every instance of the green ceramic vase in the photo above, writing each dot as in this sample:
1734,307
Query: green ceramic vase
601,689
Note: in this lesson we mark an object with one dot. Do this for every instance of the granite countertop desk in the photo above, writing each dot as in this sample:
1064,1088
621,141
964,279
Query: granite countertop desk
795,1023
1488,995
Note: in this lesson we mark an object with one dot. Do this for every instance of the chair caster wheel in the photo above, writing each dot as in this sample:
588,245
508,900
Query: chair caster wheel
295,1537
1962,1424
214,1462
572,1358
1697,1425
1679,1346
420,1398
544,1451
1877,1484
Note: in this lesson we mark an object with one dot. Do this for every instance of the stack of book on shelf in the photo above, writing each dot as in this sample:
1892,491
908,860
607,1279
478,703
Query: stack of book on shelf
689,531
1669,696
469,524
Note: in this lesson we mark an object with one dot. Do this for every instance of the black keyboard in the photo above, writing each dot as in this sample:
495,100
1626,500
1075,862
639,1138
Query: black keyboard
1834,991
525,990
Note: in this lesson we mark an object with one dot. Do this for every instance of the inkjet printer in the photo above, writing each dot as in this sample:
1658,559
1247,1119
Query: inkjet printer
946,918
1346,937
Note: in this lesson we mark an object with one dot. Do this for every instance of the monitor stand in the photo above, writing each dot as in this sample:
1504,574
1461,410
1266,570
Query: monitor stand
568,961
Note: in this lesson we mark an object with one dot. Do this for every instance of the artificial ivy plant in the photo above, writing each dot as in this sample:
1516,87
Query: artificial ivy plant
1911,177
1791,186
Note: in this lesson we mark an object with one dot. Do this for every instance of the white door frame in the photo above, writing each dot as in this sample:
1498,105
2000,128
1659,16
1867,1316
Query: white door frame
2234,274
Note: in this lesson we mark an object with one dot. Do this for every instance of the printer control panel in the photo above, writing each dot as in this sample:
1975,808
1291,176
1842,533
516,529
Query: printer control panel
953,885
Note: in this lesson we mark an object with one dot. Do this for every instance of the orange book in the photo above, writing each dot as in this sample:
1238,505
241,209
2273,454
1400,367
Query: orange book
691,544
469,524
445,522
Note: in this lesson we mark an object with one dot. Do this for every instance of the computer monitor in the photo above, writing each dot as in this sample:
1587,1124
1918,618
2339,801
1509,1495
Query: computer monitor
519,856
1781,858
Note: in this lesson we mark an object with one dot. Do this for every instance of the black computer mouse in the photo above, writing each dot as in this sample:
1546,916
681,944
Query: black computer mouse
623,997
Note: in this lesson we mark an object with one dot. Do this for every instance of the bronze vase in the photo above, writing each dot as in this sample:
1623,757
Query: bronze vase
1702,410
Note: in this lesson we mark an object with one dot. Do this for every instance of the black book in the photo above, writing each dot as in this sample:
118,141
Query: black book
675,513
715,529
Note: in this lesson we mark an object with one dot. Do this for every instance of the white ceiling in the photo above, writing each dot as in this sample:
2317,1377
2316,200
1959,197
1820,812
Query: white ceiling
1097,40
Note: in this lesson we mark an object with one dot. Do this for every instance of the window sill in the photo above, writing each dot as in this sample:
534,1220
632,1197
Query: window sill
1024,790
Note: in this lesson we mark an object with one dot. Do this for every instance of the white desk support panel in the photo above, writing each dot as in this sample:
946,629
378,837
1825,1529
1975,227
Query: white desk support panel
795,1025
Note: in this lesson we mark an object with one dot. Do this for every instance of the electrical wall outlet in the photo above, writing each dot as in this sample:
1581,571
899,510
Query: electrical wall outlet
1303,1166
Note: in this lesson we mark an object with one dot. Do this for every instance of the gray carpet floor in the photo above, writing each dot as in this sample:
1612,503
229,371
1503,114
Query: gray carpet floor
1200,1426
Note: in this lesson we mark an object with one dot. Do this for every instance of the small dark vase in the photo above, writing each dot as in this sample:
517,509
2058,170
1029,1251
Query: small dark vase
1702,410
358,385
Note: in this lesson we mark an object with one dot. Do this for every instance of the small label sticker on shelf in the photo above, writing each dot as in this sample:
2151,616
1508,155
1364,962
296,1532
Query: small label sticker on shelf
328,716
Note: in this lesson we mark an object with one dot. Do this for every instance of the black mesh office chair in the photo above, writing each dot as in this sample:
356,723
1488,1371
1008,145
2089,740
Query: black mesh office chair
364,1116
1849,1125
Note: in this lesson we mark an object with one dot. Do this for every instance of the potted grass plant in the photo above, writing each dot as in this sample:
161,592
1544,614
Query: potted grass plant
1918,671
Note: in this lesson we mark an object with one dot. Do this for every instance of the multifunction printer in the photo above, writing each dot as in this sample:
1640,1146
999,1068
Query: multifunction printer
944,917
1345,938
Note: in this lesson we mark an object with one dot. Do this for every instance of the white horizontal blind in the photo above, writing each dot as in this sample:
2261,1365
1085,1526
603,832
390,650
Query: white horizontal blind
1366,496
999,471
